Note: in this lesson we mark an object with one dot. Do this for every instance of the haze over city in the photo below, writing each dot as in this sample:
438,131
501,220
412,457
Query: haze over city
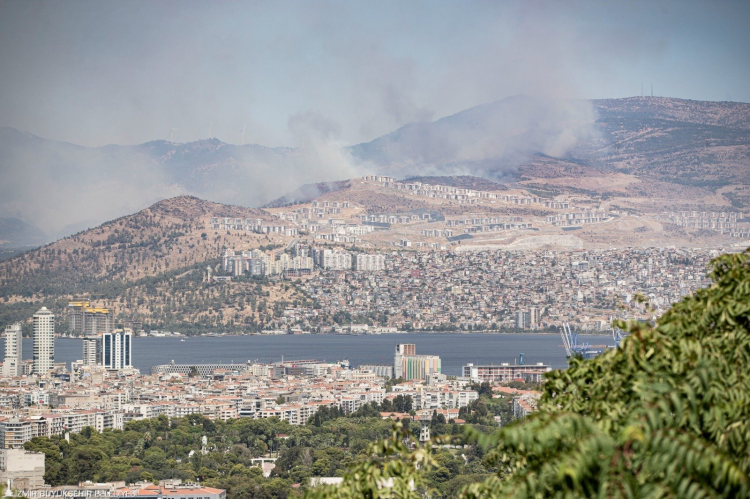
346,249
319,77
126,73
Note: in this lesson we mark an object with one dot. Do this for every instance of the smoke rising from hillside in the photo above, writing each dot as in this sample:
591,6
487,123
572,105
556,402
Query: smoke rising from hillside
490,140
322,154
62,188
264,174
316,78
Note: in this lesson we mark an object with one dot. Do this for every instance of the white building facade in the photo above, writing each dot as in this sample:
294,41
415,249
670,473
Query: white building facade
334,260
370,263
13,350
92,351
44,341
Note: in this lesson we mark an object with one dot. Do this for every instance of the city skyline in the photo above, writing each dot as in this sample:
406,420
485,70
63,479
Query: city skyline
339,248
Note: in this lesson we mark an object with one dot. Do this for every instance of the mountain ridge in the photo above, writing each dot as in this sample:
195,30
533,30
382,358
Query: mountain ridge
697,143
214,140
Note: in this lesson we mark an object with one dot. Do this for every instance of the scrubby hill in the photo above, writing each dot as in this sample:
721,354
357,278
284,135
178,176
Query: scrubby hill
163,237
674,140
148,266
695,143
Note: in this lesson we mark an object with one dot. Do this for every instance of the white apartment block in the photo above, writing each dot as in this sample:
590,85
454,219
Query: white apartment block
258,263
577,218
335,260
14,432
13,351
92,354
154,410
370,262
44,341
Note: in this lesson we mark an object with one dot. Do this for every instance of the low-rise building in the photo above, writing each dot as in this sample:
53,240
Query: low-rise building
22,469
505,372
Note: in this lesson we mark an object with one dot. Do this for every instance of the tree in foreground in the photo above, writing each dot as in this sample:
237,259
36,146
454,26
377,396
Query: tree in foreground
665,415
395,469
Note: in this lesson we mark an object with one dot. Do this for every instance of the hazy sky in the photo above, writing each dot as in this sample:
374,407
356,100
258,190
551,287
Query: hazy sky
94,73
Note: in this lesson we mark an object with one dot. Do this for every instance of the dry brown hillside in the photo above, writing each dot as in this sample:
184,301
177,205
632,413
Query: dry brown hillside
148,266
169,235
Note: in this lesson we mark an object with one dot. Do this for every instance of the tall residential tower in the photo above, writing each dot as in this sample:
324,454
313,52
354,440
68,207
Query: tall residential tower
117,349
92,350
89,321
13,350
44,341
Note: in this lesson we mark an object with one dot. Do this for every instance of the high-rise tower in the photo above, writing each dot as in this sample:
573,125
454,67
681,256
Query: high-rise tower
44,341
117,349
92,350
13,350
89,321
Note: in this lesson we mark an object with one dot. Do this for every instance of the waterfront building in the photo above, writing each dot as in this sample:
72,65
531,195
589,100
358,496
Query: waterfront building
13,350
87,320
533,317
408,365
522,319
401,350
117,349
505,372
380,370
406,349
75,315
204,370
92,350
420,366
44,341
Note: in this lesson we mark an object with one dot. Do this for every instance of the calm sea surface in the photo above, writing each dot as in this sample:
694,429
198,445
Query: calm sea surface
455,350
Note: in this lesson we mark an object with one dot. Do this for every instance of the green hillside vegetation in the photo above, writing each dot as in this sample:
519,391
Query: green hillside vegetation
180,300
665,415
184,301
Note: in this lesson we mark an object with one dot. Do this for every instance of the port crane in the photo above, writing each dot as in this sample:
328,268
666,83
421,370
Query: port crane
618,335
573,347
